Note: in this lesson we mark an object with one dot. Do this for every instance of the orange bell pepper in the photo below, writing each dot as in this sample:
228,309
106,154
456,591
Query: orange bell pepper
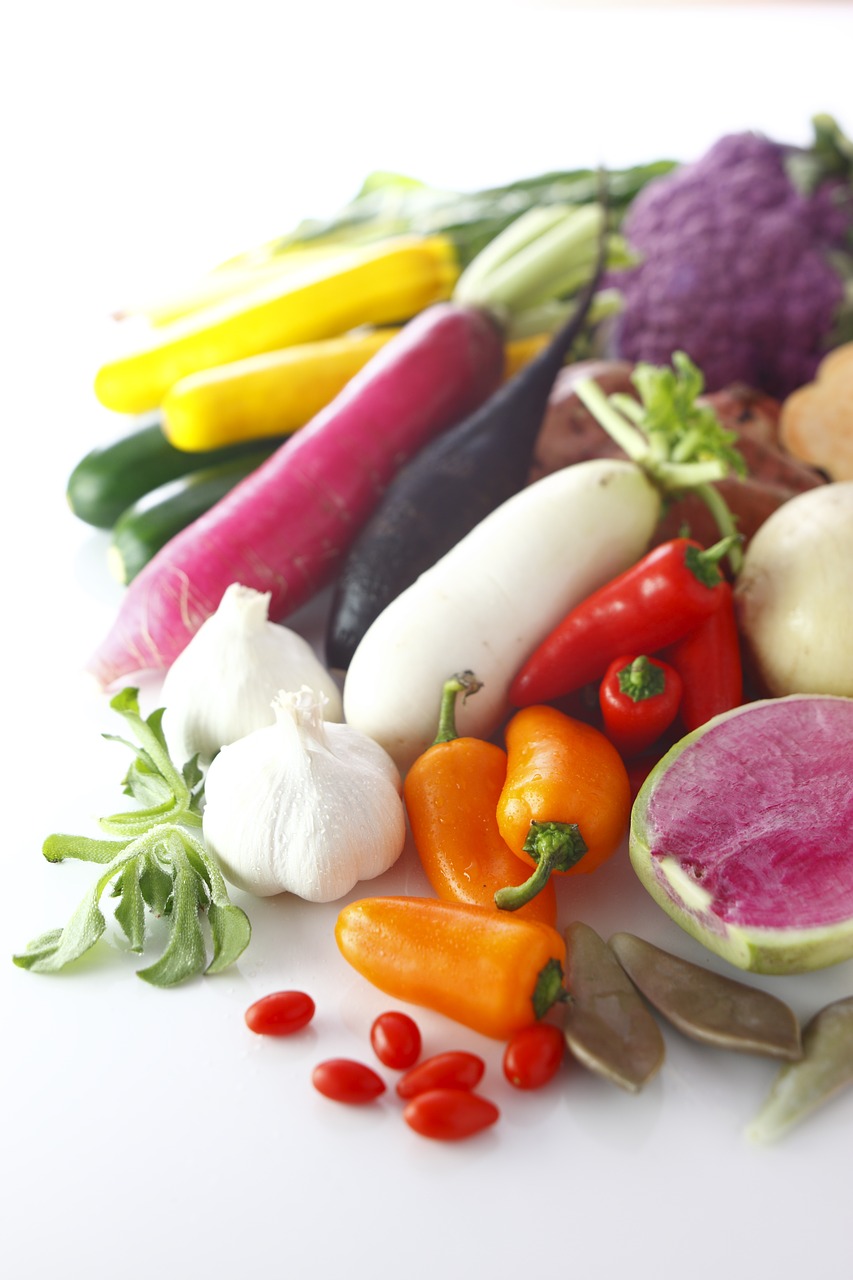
451,794
487,969
566,801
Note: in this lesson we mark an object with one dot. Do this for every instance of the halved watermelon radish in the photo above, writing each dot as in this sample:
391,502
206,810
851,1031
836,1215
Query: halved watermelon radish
743,834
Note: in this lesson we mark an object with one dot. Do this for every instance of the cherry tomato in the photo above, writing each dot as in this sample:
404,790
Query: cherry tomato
453,1070
533,1056
449,1114
396,1040
280,1014
345,1080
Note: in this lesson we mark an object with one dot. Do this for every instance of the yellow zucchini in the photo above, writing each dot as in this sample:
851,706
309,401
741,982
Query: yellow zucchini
224,283
267,395
381,284
276,393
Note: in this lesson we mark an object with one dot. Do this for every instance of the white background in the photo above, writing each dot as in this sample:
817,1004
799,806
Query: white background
147,1133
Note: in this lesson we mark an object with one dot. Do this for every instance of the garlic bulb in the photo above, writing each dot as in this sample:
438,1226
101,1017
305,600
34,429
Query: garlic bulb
303,806
223,684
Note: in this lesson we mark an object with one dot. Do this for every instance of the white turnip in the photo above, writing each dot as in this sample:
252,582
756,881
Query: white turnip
794,595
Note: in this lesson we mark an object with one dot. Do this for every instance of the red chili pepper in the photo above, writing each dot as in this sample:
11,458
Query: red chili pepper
449,1114
708,660
639,698
654,603
396,1039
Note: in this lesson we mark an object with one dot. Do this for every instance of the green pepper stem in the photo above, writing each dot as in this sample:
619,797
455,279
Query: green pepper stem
641,679
555,846
549,988
465,682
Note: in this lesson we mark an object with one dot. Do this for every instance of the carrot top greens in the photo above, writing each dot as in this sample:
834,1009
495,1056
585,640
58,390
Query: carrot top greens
157,861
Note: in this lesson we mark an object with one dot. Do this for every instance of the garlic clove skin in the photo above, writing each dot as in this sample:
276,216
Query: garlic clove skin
303,806
222,686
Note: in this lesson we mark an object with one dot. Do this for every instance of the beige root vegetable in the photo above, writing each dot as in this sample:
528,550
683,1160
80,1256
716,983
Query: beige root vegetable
794,595
816,423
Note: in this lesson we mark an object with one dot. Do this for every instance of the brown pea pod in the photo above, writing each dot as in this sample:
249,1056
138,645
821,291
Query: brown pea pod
824,1069
708,1006
606,1023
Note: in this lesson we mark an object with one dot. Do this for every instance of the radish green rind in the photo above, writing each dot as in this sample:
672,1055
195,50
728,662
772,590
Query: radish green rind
801,1087
742,834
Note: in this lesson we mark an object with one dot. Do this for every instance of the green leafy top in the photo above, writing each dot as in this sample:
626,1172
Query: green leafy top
391,204
680,443
157,861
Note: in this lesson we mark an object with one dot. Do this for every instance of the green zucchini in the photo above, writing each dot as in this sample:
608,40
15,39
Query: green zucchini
113,477
149,523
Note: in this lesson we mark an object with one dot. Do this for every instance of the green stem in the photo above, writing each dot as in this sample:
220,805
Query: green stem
626,435
524,278
549,988
465,682
676,477
529,261
517,236
126,704
641,679
554,846
725,522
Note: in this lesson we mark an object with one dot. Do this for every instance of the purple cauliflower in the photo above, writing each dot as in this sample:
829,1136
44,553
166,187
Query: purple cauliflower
743,259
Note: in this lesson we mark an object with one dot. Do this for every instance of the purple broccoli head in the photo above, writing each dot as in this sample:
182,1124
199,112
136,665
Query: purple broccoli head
741,267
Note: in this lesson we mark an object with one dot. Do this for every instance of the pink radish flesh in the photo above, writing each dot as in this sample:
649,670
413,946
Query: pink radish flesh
746,828
286,526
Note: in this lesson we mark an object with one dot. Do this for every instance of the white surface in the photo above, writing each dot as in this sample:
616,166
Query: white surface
147,1133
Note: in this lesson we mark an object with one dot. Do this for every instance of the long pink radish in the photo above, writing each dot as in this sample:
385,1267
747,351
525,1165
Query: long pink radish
285,528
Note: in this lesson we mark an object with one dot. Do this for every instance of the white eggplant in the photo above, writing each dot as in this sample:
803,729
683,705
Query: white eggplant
794,595
489,602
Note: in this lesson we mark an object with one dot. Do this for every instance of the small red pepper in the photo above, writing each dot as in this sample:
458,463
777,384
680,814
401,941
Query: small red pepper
639,698
708,659
658,600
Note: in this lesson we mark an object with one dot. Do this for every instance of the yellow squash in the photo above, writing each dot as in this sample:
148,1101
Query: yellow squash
277,393
268,395
377,285
223,283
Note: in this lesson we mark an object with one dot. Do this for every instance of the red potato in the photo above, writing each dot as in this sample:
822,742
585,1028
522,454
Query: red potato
285,528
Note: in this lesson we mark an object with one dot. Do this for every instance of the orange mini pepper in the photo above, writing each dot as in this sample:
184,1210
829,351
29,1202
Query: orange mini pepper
566,801
451,794
487,969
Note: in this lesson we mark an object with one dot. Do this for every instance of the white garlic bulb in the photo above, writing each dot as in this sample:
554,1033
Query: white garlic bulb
303,806
223,684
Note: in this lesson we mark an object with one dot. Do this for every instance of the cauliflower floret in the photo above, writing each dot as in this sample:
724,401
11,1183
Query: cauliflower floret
739,265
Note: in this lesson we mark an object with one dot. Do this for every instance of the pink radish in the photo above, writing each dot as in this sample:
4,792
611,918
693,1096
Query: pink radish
285,528
742,833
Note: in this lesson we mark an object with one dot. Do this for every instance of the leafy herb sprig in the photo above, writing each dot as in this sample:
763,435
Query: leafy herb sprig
157,860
